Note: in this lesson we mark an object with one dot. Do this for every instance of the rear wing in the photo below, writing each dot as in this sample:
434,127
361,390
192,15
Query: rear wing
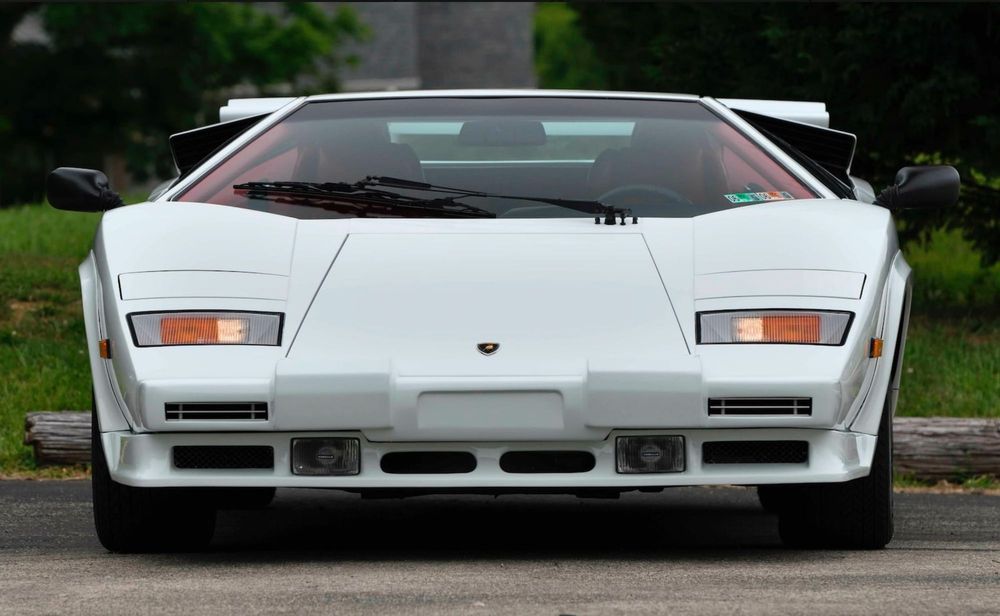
796,111
803,128
239,108
193,146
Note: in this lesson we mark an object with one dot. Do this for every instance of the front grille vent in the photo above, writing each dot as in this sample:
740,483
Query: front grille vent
760,406
755,452
256,411
547,462
223,456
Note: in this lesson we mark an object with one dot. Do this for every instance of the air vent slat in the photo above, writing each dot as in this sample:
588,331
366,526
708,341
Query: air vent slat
760,406
254,411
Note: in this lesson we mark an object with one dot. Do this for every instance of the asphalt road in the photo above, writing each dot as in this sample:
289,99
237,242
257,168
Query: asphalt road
683,551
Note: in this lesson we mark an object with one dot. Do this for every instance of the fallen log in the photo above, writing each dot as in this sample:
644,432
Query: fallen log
931,448
937,448
58,437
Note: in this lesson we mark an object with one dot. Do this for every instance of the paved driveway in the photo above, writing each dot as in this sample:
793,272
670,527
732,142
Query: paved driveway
683,551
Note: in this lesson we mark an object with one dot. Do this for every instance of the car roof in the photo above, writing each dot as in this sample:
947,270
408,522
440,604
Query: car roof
488,93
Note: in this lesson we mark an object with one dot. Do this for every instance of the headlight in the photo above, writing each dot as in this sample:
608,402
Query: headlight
205,327
773,327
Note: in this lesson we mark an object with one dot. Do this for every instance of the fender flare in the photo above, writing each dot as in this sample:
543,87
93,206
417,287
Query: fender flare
899,286
108,405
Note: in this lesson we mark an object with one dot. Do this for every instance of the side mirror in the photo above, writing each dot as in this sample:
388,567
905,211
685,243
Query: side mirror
81,190
922,187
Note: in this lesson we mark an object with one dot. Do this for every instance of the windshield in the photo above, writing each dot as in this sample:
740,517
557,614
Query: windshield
657,158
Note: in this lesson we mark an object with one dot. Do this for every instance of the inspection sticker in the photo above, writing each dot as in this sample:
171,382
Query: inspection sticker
757,197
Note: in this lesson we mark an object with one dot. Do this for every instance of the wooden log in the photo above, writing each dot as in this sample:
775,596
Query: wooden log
946,447
58,437
931,448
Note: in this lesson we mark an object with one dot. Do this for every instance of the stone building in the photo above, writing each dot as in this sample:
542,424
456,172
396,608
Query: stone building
443,45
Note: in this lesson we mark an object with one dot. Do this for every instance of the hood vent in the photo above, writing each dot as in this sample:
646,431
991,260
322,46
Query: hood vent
255,411
760,406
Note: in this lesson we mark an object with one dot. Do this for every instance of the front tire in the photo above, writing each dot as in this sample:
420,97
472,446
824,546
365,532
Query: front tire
244,498
856,514
130,519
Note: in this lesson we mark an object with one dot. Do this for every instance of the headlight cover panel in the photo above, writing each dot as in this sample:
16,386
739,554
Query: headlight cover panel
205,327
774,326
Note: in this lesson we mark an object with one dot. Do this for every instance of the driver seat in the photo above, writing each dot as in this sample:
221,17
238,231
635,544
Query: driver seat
661,154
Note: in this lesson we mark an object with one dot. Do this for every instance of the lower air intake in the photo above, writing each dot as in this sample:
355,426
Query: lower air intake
547,462
224,456
428,462
755,452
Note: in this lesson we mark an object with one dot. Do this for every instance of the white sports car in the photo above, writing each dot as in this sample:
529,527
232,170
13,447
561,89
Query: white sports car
498,292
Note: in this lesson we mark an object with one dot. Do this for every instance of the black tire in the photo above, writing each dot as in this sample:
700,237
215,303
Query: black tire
775,499
130,519
243,498
856,514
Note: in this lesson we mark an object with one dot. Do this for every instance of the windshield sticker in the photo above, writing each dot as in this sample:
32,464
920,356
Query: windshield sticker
757,197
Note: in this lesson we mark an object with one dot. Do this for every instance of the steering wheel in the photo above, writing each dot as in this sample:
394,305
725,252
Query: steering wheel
633,193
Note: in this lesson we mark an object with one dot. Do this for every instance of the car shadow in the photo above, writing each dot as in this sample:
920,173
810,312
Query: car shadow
310,525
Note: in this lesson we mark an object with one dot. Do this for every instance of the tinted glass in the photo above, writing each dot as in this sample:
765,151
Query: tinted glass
659,158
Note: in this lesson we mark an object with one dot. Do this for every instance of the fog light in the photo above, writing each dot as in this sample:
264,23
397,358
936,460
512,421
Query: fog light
650,454
325,456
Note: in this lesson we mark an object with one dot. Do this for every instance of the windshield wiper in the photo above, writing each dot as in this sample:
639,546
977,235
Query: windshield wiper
359,198
369,193
596,208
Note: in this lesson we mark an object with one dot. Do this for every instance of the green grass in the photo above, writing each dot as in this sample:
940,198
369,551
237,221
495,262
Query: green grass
949,278
42,353
952,364
951,367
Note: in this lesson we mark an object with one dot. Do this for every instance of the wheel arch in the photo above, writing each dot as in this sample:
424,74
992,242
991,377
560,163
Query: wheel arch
899,286
111,417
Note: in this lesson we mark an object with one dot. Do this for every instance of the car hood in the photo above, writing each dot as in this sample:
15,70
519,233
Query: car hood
426,300
428,287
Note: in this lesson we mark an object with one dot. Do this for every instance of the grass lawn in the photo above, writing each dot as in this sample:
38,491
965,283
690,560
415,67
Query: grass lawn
952,364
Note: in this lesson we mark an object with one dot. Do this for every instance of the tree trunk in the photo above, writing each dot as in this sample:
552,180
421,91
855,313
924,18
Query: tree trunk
58,437
945,447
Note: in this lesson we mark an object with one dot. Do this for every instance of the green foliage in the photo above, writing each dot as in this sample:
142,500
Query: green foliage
564,59
120,78
951,367
908,79
949,278
42,340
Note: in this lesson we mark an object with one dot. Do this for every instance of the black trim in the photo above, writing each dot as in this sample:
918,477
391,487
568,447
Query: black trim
135,340
191,147
843,340
831,150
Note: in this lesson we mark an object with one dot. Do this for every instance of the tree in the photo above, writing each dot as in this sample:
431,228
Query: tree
916,83
120,78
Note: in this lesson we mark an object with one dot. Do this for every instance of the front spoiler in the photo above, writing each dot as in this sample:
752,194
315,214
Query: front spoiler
145,460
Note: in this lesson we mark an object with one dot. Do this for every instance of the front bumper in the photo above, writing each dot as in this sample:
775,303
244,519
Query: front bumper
145,460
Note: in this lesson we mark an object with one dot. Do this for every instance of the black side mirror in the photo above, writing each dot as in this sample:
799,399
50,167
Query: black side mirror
930,186
81,190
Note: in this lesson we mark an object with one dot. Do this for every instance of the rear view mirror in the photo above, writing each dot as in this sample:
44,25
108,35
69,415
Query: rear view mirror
502,133
81,190
929,186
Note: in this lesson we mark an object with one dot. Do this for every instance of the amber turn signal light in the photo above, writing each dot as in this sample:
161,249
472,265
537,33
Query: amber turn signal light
824,327
206,328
